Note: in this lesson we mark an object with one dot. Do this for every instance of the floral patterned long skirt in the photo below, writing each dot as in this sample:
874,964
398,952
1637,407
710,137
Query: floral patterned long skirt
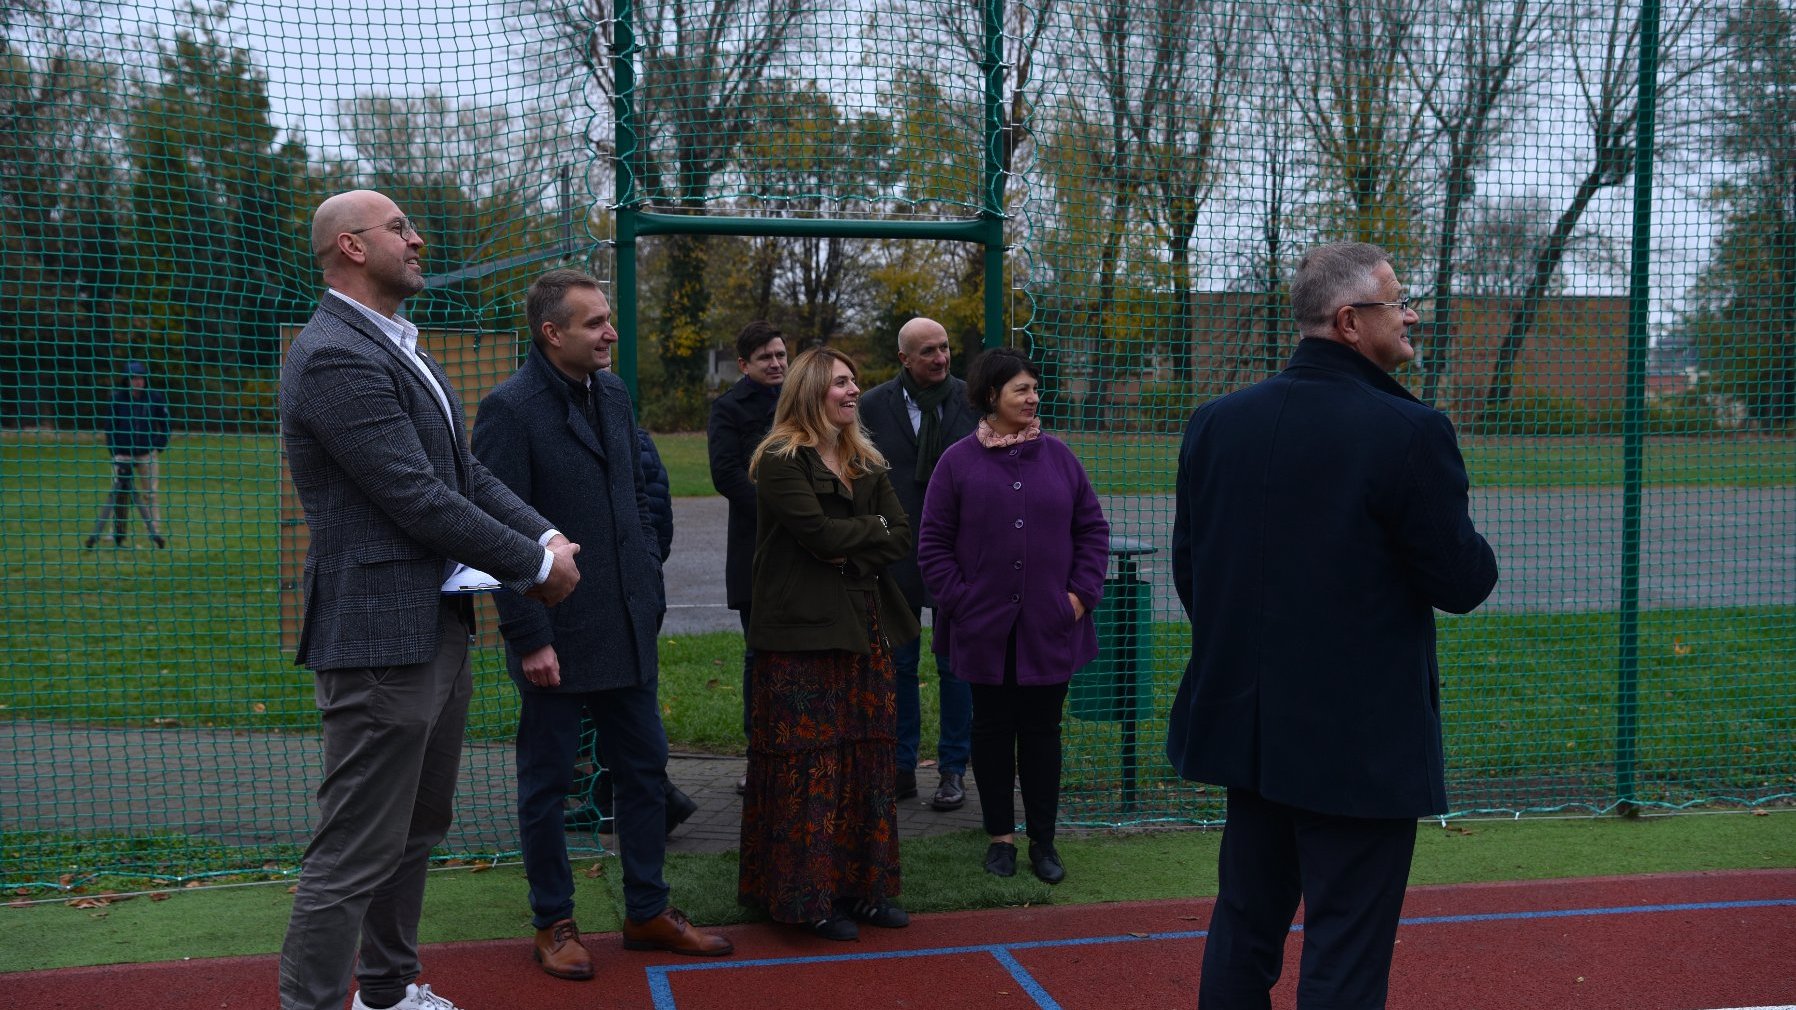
820,814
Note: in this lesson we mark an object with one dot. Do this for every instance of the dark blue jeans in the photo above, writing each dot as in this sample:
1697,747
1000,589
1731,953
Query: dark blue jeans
633,747
748,669
1349,872
954,744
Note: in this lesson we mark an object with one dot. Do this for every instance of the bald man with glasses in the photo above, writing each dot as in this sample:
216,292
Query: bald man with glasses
396,505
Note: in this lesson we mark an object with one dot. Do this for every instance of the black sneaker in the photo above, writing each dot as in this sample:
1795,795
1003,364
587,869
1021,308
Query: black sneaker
836,927
907,784
157,539
880,913
1000,859
1046,863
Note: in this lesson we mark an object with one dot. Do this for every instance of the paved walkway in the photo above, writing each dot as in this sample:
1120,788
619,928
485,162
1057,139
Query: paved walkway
711,782
246,789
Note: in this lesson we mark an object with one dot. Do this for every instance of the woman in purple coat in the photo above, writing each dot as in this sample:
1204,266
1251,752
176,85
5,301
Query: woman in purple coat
1012,545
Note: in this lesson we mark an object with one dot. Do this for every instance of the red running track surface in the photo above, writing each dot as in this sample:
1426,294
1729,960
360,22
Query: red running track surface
1668,942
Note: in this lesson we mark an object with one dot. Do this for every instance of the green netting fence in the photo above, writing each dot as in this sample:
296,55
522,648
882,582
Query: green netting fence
1594,204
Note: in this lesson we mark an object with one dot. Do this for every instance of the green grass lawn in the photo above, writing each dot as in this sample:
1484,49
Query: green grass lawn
940,874
1130,463
188,637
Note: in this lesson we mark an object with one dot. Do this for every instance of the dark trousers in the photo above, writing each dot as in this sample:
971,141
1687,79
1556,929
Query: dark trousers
953,741
1350,873
1016,738
748,670
392,746
633,747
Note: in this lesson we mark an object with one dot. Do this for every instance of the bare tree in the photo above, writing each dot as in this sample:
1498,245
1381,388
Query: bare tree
697,65
1603,48
480,177
806,159
1199,43
1481,47
1501,236
937,51
1363,107
1148,93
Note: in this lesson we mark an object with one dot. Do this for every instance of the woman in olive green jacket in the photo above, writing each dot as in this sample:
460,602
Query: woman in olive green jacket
820,813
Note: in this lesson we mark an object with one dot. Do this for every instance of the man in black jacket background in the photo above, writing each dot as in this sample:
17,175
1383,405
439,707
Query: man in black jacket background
1322,517
912,418
739,421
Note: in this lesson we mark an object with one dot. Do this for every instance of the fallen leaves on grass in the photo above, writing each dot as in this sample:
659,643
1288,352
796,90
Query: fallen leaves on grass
97,901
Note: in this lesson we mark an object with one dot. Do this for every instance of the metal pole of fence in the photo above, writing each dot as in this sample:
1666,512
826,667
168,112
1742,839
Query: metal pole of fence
623,74
1633,453
991,192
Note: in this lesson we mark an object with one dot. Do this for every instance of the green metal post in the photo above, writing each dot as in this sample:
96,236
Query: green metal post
1633,453
623,76
991,212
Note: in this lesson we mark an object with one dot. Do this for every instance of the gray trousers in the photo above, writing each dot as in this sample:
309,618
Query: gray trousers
392,747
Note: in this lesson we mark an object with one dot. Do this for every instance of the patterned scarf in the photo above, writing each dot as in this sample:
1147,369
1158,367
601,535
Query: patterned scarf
992,440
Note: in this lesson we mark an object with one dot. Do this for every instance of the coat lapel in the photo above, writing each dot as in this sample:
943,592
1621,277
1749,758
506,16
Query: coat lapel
349,314
550,378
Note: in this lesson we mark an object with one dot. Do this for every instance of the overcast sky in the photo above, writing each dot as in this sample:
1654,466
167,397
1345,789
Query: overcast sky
318,53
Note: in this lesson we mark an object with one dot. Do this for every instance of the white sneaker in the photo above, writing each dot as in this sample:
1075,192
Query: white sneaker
417,997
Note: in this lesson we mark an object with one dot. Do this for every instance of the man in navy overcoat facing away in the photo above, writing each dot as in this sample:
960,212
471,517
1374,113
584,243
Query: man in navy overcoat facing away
1322,518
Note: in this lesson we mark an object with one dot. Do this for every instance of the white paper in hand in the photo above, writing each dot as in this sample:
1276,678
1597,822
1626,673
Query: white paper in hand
469,580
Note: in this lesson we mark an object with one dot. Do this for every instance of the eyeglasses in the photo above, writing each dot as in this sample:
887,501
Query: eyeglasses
1400,306
400,226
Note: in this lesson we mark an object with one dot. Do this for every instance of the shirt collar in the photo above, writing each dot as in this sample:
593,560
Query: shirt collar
398,329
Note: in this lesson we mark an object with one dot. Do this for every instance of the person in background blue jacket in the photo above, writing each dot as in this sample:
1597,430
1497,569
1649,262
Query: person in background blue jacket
659,489
137,429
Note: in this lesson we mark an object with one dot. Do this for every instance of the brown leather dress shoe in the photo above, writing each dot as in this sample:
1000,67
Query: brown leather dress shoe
559,951
673,932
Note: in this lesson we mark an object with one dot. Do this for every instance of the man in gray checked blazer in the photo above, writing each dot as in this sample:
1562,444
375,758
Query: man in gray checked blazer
377,450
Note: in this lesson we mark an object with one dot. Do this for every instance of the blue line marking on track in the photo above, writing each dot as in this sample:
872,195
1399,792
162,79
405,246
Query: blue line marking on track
661,987
1567,913
1026,980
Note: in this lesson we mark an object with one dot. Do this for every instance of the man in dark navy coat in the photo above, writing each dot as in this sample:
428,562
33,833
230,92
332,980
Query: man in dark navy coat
1322,519
561,434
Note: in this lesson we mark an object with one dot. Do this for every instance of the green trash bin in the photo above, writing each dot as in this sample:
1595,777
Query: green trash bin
1118,686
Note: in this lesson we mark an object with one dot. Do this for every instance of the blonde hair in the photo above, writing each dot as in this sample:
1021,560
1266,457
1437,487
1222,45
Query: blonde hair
799,419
